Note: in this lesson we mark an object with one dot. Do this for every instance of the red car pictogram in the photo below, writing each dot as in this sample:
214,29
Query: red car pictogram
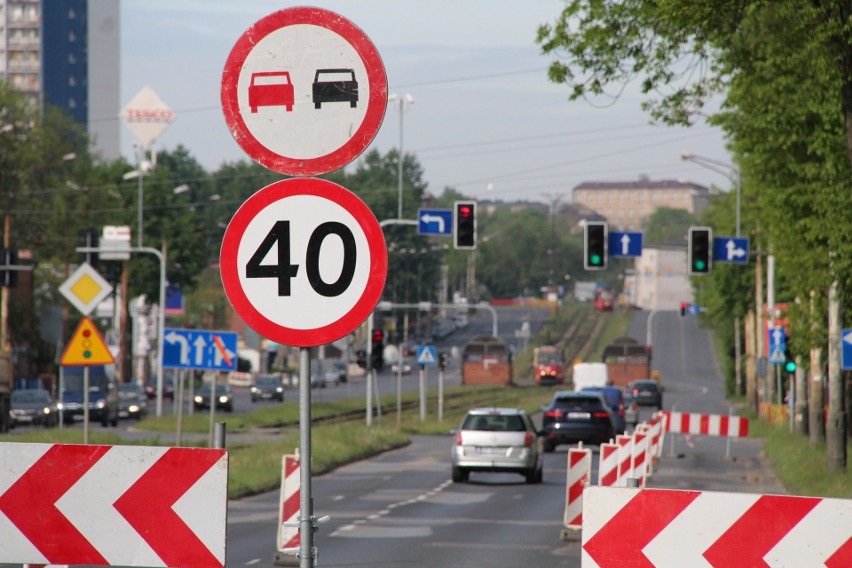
271,88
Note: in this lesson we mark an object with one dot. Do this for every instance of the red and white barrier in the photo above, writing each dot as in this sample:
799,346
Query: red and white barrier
579,477
625,458
626,528
640,457
707,424
288,519
608,462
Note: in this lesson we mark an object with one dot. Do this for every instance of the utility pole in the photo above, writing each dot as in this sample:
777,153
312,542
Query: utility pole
836,428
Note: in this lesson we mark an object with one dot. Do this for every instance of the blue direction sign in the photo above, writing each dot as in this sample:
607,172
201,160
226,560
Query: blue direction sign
730,249
625,244
427,355
198,349
435,222
846,349
777,345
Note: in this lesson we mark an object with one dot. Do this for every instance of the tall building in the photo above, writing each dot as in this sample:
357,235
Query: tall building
626,205
67,53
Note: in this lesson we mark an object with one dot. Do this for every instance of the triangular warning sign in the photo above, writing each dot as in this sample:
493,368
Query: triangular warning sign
87,347
777,356
426,357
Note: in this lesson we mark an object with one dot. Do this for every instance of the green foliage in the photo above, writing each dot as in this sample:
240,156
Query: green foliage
667,226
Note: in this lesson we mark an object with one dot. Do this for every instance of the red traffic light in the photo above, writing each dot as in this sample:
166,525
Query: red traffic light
378,335
465,211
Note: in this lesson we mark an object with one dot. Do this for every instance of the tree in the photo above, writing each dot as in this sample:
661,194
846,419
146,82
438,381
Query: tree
667,226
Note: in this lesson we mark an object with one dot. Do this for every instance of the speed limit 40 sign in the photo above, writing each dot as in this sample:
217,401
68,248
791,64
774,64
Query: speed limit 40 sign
303,262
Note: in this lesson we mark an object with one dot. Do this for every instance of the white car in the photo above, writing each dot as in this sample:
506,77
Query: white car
497,440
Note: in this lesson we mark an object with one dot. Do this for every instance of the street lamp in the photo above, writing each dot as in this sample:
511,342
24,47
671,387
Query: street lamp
730,171
142,167
402,100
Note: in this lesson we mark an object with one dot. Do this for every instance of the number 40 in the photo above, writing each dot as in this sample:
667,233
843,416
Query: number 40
284,271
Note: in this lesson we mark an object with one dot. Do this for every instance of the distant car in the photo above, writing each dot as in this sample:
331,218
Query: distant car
615,400
647,392
224,397
132,401
168,388
335,85
497,440
573,416
271,88
631,410
33,406
267,387
406,368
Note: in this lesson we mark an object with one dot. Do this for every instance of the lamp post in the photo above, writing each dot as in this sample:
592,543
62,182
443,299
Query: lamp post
402,100
142,168
730,171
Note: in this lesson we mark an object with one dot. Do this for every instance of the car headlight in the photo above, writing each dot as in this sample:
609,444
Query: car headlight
254,389
46,410
60,406
100,403
133,408
224,398
198,399
279,389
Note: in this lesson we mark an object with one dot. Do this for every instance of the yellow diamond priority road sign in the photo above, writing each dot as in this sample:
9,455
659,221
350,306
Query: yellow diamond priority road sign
86,288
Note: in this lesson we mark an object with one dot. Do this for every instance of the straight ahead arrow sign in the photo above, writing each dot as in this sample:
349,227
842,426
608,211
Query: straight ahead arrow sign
113,505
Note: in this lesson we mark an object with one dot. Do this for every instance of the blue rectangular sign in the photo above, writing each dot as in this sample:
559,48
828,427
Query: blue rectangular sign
846,349
730,249
435,222
427,355
777,345
625,244
199,349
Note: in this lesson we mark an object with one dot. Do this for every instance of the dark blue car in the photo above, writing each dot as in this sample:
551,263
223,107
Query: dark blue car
615,400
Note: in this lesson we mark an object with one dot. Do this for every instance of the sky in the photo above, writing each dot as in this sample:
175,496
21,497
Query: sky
485,119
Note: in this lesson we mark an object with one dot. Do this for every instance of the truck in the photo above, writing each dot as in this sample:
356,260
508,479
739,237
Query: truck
486,360
5,391
589,374
627,360
548,365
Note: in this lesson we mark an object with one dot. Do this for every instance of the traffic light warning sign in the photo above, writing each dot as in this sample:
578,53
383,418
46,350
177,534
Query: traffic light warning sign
87,347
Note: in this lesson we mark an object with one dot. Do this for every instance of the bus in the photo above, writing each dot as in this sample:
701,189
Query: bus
548,365
486,360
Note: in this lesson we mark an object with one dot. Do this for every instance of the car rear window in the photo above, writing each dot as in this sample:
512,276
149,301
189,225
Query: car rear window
577,403
494,423
646,387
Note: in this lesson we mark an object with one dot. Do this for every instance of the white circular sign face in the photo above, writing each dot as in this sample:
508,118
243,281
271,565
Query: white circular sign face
303,262
304,91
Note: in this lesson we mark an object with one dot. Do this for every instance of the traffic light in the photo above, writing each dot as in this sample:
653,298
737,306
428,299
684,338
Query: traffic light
682,309
595,235
464,225
361,358
8,277
89,239
377,356
699,254
789,362
443,359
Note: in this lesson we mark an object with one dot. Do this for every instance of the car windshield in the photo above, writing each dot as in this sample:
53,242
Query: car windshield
494,423
30,396
221,388
649,387
268,382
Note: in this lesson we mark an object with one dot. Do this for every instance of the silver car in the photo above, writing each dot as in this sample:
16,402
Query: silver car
498,440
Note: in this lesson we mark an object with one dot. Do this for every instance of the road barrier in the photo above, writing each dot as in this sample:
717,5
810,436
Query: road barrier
707,424
608,463
287,541
579,476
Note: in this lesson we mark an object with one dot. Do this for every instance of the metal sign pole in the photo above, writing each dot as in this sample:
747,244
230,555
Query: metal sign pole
306,549
86,404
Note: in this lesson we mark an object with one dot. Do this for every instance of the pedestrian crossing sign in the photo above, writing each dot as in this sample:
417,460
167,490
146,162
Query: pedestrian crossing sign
426,355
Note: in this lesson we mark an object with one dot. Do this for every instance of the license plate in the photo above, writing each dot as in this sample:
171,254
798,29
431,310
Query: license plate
490,451
579,415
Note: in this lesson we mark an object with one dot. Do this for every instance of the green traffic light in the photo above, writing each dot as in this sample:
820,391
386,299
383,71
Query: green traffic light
699,265
594,260
790,366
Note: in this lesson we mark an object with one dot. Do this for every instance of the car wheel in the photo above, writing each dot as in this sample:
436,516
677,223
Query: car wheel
547,446
534,475
460,475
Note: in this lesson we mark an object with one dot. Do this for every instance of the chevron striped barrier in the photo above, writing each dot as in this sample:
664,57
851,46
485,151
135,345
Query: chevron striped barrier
608,463
579,477
640,457
625,458
707,424
655,528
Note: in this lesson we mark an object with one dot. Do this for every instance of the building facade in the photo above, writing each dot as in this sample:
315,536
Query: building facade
660,280
67,54
626,205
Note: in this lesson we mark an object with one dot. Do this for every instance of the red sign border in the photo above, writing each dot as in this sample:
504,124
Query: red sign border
235,232
376,104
